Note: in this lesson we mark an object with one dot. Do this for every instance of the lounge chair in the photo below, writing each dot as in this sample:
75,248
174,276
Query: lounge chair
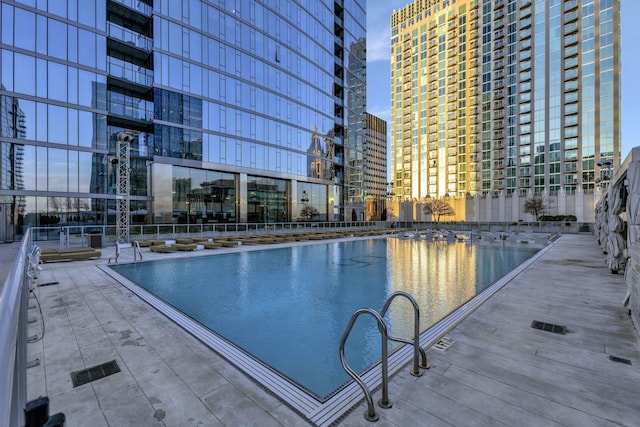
185,246
69,254
163,248
184,241
211,245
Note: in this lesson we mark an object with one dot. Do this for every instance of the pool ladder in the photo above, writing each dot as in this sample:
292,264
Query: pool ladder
419,355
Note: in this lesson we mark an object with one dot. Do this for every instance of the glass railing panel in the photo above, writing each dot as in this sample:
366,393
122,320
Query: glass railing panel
130,37
130,72
137,5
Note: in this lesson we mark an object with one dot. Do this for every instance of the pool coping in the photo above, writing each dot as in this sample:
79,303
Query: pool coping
348,397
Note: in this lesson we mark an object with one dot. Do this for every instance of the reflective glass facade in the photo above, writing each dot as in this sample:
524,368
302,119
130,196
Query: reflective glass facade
516,96
247,91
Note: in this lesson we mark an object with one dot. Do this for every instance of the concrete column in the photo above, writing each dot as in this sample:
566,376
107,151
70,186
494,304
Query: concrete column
502,208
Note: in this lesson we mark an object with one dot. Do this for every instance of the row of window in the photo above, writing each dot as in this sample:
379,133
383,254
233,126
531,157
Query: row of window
52,37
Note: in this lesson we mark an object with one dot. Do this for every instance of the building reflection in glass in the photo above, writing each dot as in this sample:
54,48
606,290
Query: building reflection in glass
267,200
13,124
442,276
201,196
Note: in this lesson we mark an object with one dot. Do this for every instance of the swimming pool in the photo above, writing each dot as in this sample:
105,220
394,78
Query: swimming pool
288,307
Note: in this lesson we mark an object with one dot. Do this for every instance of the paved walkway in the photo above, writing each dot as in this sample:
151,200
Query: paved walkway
498,370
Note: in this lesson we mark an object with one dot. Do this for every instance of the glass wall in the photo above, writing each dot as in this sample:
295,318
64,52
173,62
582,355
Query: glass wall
199,86
267,200
201,196
313,202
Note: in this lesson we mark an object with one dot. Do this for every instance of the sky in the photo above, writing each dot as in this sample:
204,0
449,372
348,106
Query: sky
378,83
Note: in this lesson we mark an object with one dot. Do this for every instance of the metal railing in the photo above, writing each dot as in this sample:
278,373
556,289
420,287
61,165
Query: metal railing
419,355
14,297
384,402
77,236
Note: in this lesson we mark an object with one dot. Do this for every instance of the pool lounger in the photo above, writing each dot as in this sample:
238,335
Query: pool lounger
163,248
185,246
184,241
69,255
210,245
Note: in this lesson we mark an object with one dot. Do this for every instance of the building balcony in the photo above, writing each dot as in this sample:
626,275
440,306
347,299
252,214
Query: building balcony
129,72
569,4
129,37
135,5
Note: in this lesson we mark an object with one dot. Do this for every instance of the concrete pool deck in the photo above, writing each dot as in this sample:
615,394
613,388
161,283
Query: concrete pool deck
497,371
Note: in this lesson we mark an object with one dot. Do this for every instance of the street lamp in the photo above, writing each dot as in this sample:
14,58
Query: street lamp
605,173
305,201
389,202
188,212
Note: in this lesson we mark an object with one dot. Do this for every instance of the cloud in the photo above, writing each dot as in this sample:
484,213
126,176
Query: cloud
378,22
378,45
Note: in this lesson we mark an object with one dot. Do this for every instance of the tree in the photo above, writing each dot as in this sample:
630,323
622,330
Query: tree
308,212
536,206
438,208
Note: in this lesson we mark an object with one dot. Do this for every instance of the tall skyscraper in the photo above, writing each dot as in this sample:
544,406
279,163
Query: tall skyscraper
221,101
375,167
512,97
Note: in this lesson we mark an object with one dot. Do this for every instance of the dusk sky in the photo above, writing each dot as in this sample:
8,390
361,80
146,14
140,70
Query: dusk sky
378,83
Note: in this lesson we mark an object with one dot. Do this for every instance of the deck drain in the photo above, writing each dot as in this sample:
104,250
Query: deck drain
443,344
48,284
549,327
94,373
620,360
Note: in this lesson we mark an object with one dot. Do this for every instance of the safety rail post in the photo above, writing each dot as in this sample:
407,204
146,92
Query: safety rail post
384,402
418,352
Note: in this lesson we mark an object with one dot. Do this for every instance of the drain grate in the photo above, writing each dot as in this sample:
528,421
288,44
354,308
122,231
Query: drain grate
94,373
443,344
48,284
549,327
620,360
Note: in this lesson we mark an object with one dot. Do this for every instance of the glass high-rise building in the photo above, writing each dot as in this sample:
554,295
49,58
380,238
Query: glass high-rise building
233,108
512,97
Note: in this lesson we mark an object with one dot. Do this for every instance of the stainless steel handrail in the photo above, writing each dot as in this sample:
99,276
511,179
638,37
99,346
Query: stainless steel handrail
384,402
14,297
417,350
136,250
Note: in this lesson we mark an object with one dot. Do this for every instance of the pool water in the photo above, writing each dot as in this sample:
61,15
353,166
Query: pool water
288,307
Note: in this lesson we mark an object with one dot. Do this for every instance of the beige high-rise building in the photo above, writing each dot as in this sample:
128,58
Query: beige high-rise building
435,98
504,97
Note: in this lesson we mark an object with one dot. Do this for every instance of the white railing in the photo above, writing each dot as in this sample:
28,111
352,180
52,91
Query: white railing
14,297
64,237
79,236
